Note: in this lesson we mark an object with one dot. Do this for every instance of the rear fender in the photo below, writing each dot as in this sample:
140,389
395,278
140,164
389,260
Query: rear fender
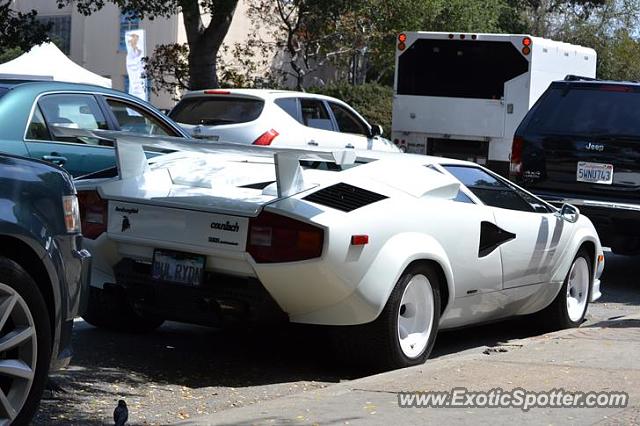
370,297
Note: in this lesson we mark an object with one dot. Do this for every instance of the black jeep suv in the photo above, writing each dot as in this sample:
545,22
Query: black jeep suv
43,278
580,144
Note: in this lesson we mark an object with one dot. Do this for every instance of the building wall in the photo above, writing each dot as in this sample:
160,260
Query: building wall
95,39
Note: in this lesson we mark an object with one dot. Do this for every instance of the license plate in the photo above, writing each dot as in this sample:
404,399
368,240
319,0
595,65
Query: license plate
594,173
176,267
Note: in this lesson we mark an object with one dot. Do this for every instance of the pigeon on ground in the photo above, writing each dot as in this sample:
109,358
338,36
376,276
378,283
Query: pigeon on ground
121,413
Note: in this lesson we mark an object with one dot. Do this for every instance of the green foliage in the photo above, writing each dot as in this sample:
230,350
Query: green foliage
19,30
198,58
10,54
371,100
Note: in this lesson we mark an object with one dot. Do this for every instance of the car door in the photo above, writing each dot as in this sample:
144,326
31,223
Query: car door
354,132
476,267
531,236
79,155
320,128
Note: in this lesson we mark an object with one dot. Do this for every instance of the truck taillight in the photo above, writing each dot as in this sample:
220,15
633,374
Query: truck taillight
516,156
266,138
273,238
93,214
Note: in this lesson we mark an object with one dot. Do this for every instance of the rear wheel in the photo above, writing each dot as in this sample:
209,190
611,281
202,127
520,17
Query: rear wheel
570,305
111,310
405,332
25,344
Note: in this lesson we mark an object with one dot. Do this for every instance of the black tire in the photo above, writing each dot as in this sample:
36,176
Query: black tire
556,315
376,345
14,276
111,310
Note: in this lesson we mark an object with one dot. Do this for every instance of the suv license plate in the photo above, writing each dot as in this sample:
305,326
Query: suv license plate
595,173
176,267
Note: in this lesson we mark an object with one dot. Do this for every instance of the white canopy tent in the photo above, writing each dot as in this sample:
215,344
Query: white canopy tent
46,61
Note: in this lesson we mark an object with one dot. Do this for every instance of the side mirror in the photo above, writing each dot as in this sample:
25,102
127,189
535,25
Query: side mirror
376,130
569,212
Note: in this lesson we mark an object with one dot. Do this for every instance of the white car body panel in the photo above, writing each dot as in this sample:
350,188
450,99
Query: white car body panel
292,133
347,284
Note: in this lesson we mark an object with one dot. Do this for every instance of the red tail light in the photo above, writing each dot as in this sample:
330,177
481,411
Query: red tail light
93,214
516,156
273,238
614,88
216,92
266,138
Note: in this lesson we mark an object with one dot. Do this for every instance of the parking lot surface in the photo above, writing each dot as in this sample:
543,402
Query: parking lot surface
183,372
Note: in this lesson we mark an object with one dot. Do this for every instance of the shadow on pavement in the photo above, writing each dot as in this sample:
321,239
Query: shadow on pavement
224,366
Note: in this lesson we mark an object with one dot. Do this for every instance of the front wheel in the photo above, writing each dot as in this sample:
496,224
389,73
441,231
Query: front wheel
25,344
570,305
405,331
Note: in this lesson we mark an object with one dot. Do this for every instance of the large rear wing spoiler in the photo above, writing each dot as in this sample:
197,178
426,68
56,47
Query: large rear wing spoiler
132,161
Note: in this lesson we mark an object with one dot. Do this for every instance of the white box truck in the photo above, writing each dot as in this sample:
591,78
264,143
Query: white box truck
463,95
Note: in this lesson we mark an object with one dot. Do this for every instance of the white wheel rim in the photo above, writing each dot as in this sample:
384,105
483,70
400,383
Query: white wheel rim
415,316
578,289
18,353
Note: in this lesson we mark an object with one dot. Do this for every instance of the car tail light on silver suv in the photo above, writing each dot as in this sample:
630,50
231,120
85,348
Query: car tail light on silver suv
93,214
266,138
274,238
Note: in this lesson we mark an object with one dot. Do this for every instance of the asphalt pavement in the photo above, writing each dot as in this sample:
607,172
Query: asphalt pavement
183,373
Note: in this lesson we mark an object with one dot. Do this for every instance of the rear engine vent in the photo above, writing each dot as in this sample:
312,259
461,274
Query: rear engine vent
344,197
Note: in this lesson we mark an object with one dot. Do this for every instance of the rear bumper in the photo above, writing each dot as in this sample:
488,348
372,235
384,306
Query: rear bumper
219,299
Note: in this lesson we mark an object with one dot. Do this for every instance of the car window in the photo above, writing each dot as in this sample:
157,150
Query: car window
315,114
132,118
290,106
463,198
490,190
347,121
597,109
217,110
38,127
69,111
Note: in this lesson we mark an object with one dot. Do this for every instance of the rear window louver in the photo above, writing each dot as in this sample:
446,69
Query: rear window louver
344,197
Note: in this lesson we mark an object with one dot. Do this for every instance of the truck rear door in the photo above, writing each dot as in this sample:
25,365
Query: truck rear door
455,86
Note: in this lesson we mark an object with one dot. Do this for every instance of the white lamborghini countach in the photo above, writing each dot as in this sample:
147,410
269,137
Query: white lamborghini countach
390,247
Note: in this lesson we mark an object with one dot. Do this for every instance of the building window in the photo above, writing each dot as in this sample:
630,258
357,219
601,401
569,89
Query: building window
60,32
128,22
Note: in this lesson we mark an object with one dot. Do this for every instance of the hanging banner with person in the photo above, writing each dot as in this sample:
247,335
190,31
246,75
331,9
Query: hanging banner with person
135,68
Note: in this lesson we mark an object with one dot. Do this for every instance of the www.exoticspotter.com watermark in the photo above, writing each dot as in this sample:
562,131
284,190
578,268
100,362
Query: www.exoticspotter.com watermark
515,398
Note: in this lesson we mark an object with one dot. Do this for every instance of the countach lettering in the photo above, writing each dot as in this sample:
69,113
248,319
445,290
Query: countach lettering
227,226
